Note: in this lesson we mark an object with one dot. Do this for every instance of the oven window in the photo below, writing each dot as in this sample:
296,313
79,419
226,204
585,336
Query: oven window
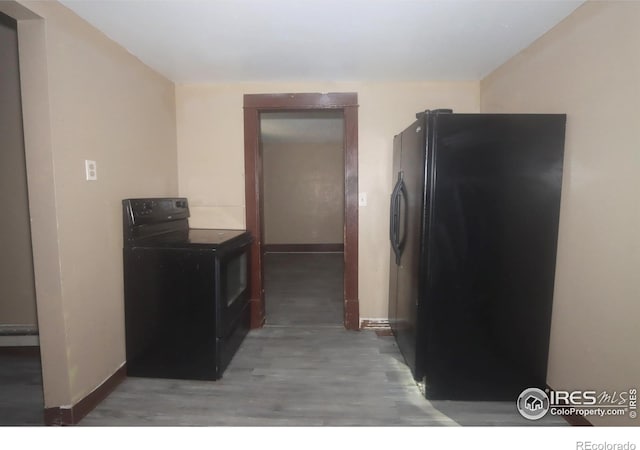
235,277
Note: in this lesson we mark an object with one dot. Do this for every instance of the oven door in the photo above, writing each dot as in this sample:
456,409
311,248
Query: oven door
233,285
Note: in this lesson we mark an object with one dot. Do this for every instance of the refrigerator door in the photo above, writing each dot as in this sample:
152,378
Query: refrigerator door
491,254
393,230
410,224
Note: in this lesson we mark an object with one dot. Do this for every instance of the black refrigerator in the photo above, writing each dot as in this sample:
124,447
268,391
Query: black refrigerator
473,232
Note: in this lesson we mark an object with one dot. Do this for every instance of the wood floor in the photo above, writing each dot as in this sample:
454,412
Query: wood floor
304,288
288,376
21,401
303,368
284,376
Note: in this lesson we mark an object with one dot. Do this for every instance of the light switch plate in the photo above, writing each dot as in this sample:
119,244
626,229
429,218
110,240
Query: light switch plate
362,199
91,170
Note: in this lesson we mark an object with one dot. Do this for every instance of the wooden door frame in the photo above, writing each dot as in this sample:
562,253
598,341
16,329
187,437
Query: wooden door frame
254,104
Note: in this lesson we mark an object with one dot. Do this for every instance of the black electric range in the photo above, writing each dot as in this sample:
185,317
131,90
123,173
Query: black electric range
186,292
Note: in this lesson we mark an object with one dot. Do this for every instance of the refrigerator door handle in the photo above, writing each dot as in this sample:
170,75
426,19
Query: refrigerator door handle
402,240
394,219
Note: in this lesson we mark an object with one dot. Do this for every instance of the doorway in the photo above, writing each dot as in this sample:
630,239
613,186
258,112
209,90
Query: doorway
254,106
20,368
303,217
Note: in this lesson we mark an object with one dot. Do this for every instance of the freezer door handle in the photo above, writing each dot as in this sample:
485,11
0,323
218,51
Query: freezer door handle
394,219
402,223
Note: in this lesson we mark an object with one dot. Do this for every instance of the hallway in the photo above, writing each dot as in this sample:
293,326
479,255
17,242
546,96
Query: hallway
304,289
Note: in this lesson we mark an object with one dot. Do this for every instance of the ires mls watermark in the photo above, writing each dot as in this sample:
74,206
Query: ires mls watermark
534,403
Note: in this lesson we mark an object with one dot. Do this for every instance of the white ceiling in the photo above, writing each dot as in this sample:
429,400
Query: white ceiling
323,40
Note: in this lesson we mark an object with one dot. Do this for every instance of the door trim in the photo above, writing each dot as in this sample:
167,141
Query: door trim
254,104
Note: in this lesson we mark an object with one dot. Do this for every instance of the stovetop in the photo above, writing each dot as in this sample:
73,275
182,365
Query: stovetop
192,237
163,222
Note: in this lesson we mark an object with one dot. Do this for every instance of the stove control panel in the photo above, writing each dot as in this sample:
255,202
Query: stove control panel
142,211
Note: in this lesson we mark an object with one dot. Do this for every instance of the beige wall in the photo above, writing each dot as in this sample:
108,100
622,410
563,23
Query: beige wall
589,67
84,97
17,291
211,157
303,193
